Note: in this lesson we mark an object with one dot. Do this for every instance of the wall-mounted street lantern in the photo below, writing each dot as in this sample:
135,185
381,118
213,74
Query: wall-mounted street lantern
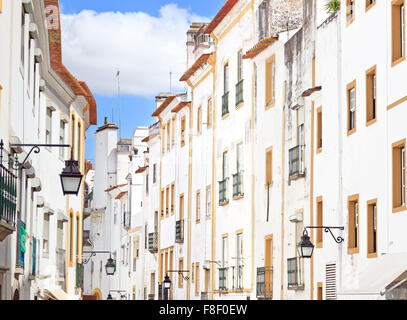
71,177
167,280
110,265
121,292
305,246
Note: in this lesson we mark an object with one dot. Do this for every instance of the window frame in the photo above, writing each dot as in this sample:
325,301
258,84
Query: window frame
398,30
403,206
270,82
320,142
320,222
370,229
349,87
371,95
354,249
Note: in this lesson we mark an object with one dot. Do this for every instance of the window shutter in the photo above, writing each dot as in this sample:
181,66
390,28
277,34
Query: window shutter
331,281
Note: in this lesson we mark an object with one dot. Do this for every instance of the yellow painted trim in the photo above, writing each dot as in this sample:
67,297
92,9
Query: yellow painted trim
240,231
395,104
312,195
282,195
193,86
253,184
213,189
190,191
236,20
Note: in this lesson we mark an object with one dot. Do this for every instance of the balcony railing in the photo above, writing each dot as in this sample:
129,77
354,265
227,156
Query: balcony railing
79,276
239,92
296,162
237,274
223,194
294,273
223,279
153,242
237,185
61,263
225,104
8,195
127,220
179,231
264,286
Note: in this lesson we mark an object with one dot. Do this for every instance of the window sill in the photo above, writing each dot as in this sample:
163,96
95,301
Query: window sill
269,105
225,116
198,221
397,61
240,105
399,209
370,122
319,150
239,197
372,255
353,250
370,6
350,132
224,203
349,21
296,287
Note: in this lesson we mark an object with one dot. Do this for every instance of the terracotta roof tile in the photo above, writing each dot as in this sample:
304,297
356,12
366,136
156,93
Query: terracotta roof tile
199,62
260,47
115,187
228,6
164,105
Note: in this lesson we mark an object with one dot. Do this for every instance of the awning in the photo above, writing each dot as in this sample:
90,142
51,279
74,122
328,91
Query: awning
56,294
380,275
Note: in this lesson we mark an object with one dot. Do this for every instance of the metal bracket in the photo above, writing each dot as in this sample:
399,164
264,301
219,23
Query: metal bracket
338,239
181,273
36,149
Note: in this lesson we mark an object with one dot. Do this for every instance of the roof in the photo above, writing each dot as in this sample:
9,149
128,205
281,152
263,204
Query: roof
259,47
141,169
228,6
198,63
146,139
164,105
79,88
115,187
107,126
121,195
310,91
180,105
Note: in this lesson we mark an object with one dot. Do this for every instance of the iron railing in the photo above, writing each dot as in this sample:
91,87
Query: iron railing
79,276
294,273
153,242
21,237
126,220
237,280
223,279
239,92
179,231
237,185
264,283
296,161
8,193
225,104
223,194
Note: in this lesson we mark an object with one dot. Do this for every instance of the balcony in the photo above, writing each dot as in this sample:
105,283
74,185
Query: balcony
264,288
223,194
294,274
127,220
223,279
237,185
239,92
179,231
79,276
225,104
8,202
153,242
237,279
296,162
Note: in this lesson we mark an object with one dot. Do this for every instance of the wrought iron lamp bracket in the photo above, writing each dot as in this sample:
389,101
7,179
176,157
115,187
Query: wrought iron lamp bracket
337,239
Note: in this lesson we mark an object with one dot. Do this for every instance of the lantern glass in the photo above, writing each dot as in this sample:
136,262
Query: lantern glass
167,282
306,246
71,184
110,267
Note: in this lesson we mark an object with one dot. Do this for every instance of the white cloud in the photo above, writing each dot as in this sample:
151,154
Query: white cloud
142,46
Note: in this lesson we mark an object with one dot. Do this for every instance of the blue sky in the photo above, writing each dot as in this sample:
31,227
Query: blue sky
136,109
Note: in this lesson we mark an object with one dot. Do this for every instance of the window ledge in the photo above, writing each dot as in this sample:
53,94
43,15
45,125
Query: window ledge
224,203
370,122
399,209
372,255
353,250
296,287
350,21
225,116
240,105
370,6
397,61
269,105
319,150
239,197
350,132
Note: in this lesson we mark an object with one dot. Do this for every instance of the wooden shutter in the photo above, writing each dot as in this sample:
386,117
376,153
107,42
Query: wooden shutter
330,281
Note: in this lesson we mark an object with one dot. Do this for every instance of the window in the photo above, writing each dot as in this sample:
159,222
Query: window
172,197
319,129
22,36
209,114
199,121
239,85
60,233
167,200
62,126
198,206
79,144
71,232
225,169
183,131
162,203
351,98
78,244
319,291
320,221
263,22
269,167
239,158
146,236
173,133
226,78
371,95
181,207
45,234
48,128
353,224
168,136
239,66
29,66
372,229
208,202
270,81
300,126
197,279
73,133
147,178
398,31
154,173
224,260
350,11
180,276
399,176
